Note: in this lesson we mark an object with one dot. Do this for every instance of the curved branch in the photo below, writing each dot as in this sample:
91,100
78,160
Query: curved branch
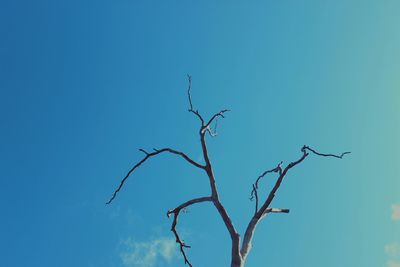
246,245
288,167
149,155
215,116
176,212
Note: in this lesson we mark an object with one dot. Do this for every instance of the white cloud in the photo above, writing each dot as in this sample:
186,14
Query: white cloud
393,264
396,212
393,249
146,254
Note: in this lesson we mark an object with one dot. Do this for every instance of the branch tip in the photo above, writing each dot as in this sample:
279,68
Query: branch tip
144,151
304,148
274,210
195,112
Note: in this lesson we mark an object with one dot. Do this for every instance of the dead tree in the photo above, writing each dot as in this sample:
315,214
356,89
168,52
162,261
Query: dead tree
240,249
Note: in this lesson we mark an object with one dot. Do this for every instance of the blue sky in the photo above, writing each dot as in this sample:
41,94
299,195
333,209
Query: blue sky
84,84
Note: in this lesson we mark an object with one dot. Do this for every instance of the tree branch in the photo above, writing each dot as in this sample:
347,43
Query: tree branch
147,156
215,116
246,245
204,127
254,192
195,112
176,212
326,155
273,210
213,132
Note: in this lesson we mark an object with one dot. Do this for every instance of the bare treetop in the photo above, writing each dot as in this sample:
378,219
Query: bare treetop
239,249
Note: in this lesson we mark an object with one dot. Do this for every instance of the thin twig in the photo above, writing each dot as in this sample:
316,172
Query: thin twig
195,112
254,191
216,115
326,155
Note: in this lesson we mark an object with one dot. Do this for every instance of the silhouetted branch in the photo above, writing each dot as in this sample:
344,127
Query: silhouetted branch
204,127
149,155
216,115
213,131
195,112
264,209
176,212
326,155
288,167
254,192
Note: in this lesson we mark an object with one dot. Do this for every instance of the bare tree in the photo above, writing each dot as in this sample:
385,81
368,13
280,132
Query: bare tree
239,250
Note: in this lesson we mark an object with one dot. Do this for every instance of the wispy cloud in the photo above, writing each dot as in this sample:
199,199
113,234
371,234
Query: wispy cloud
393,249
396,212
146,254
393,264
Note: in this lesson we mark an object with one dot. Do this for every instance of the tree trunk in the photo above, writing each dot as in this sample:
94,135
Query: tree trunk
237,260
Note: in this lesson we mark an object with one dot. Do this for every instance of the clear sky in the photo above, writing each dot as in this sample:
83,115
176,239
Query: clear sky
84,84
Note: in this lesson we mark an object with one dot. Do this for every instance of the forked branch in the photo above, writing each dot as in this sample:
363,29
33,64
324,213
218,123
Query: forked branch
204,126
265,208
216,115
254,192
175,212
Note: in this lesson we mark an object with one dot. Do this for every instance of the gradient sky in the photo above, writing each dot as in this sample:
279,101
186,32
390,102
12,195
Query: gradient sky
84,84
